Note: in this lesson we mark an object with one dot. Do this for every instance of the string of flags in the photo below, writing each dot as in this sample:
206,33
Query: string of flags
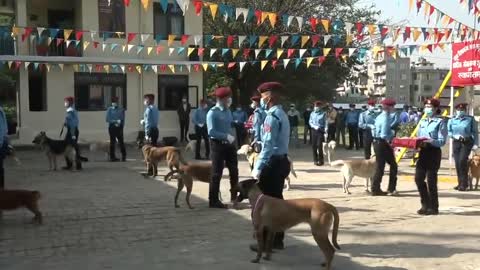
472,7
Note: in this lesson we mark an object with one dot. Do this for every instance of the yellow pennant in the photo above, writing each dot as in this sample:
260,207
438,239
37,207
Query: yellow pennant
85,45
234,52
190,51
76,68
273,19
264,17
279,53
410,5
309,61
205,67
171,39
261,40
172,68
349,39
427,9
263,64
326,51
371,29
48,67
375,51
345,58
107,68
442,46
15,31
213,10
149,50
305,39
416,34
67,33
458,93
445,113
326,25
145,4
394,53
139,69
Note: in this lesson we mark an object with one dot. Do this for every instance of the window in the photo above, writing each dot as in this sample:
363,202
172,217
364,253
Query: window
427,76
171,90
37,91
427,88
93,91
415,88
414,76
170,23
111,16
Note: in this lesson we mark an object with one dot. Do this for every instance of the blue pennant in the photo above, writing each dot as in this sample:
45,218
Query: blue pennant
285,19
53,32
159,38
315,52
336,39
298,61
251,14
425,33
208,40
252,39
268,52
181,50
295,39
164,5
224,52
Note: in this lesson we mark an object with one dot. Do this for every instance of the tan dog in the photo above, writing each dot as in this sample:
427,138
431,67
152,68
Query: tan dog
252,156
271,215
198,171
102,147
360,168
474,171
153,155
14,199
54,148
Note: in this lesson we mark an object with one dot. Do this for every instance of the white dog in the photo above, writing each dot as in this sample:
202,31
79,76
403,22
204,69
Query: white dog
329,150
360,168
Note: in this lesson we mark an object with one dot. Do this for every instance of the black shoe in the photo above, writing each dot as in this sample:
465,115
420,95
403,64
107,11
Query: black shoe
124,159
233,197
218,205
422,211
83,159
379,193
114,160
456,188
462,189
67,168
432,212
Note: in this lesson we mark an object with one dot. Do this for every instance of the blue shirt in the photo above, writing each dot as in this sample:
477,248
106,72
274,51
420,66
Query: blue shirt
114,114
367,120
352,118
404,117
71,119
275,136
434,129
239,117
219,123
383,126
464,126
3,127
258,119
150,116
200,117
318,120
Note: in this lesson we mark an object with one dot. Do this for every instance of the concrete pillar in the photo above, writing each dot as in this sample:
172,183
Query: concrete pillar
21,19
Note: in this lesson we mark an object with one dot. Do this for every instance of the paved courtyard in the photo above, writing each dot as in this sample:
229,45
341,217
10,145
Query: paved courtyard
110,217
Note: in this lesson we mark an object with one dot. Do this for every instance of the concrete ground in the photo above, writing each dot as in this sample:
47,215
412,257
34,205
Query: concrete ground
110,217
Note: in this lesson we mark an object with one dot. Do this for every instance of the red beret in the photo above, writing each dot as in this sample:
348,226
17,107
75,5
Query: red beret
269,86
318,103
389,102
149,96
223,92
69,99
433,101
114,99
371,102
256,98
461,106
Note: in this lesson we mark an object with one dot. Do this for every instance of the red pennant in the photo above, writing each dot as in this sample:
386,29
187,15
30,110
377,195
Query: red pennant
440,36
360,37
130,68
450,21
272,40
196,67
338,51
430,48
78,35
130,37
384,31
184,39
419,5
315,40
408,31
230,39
201,51
17,64
163,68
432,9
231,65
258,14
28,31
359,26
313,23
246,53
321,59
274,63
126,2
59,41
159,50
290,52
198,6
95,44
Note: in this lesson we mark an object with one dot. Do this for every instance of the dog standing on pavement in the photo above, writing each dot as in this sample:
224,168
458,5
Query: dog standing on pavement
251,155
474,171
153,155
55,148
102,147
14,199
329,150
271,215
360,168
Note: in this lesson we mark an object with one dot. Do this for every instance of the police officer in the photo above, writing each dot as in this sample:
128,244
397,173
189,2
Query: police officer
434,129
361,130
239,120
272,166
3,146
319,125
219,124
463,129
367,123
116,121
201,131
258,118
352,124
71,123
150,119
307,131
382,136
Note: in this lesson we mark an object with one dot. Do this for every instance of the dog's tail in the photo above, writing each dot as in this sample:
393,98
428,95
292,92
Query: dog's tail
337,163
336,224
36,195
189,147
292,170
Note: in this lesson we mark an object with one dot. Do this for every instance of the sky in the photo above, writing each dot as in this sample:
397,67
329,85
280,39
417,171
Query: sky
397,11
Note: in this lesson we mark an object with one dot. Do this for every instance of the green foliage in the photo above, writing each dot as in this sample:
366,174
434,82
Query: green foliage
405,130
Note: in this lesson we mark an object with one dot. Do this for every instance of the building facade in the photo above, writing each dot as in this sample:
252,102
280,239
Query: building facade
41,91
426,80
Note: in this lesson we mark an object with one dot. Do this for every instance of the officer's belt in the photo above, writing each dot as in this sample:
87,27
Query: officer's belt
380,140
463,140
219,141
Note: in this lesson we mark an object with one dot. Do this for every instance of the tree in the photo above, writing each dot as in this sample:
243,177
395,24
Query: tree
317,82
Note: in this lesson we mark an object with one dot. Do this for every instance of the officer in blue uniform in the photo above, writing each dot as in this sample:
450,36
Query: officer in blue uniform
150,119
367,123
71,123
224,152
351,119
382,136
463,129
116,121
258,118
200,122
3,146
434,129
319,124
239,120
272,166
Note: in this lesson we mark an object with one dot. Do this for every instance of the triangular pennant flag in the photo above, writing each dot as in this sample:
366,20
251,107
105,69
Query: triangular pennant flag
155,68
90,67
48,67
53,32
234,52
231,65
300,22
197,39
272,40
93,34
371,29
140,48
284,38
416,34
149,50
302,52
172,68
351,51
359,27
313,24
321,59
26,65
205,67
212,52
314,51
290,20
257,52
315,40
130,37
298,61
285,62
213,11
107,68
171,39
274,63
180,50
305,39
184,39
225,51
290,52
67,33
68,42
40,30
190,51
113,46
326,38
170,51
295,39
60,41
242,65
349,39
241,39
326,51
78,35
268,52
139,69
263,63
326,25
201,51
309,61
279,53
230,40
272,17
144,37
76,68
262,40
338,51
159,49
145,4
252,40
189,68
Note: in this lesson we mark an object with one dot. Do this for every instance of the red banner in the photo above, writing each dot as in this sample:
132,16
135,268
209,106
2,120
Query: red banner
466,64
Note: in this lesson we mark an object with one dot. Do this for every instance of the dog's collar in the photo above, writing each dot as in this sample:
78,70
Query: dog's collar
255,208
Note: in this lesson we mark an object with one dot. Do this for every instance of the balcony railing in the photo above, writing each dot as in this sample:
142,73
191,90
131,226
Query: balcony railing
57,47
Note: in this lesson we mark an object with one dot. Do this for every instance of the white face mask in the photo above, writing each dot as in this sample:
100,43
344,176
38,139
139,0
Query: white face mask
229,102
114,104
184,101
145,103
253,105
67,104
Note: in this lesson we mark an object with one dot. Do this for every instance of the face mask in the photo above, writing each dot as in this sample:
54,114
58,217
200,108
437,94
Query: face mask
184,101
309,109
145,103
371,108
263,104
229,102
460,113
317,109
67,104
253,106
428,111
114,104
239,109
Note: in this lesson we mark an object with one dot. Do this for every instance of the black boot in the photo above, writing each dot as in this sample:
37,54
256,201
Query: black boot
68,164
217,204
423,211
233,196
78,165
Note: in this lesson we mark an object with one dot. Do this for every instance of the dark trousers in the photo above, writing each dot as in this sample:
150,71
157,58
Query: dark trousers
367,140
201,133
384,154
427,166
331,132
184,126
317,145
361,131
272,180
74,143
116,135
240,129
461,151
307,132
222,154
152,133
353,136
2,174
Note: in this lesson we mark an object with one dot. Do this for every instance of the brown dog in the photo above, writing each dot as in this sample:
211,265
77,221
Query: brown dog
153,155
474,171
198,171
14,199
271,215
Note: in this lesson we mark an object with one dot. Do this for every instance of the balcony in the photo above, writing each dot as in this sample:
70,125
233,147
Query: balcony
58,47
